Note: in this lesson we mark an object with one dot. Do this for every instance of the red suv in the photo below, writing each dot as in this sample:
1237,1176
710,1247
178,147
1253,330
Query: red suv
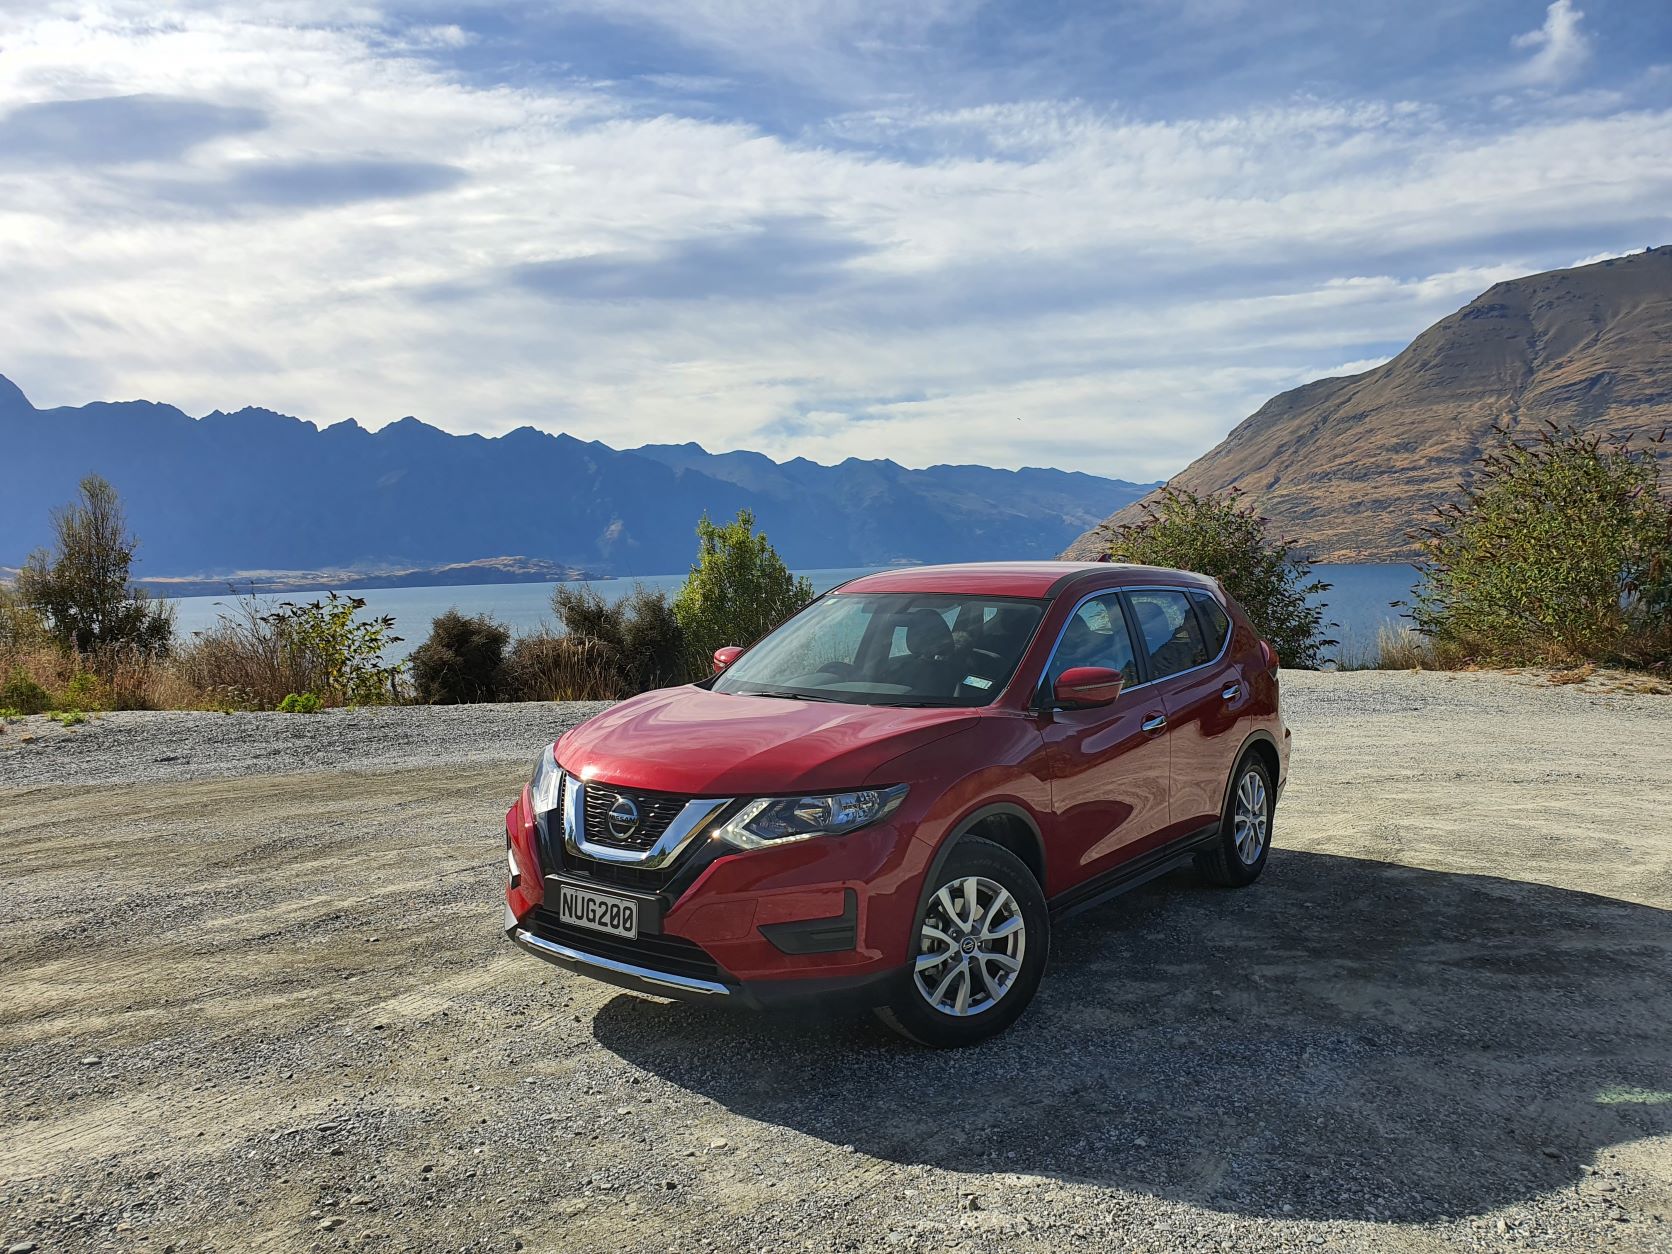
892,796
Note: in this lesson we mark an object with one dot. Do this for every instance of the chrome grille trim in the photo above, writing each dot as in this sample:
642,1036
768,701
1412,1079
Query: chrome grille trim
656,812
692,818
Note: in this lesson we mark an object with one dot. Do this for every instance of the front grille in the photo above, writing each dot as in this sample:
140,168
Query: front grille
655,951
656,811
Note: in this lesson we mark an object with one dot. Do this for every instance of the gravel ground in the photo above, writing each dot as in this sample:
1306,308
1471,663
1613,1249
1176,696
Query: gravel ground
254,997
132,747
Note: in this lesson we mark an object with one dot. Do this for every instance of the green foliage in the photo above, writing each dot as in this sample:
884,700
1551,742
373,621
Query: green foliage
21,627
636,638
80,590
346,650
301,703
1221,537
68,718
1559,551
83,692
738,590
24,695
462,661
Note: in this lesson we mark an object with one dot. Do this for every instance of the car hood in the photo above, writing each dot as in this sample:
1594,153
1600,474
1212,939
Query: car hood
701,743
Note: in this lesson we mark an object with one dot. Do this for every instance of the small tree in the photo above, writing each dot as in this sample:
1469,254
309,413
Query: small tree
738,590
1222,537
461,662
81,589
1560,550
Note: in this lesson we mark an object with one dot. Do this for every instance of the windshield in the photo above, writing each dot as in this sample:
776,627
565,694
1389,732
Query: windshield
900,648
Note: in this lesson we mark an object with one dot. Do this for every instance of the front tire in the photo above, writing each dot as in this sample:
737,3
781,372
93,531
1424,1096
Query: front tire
1239,854
981,941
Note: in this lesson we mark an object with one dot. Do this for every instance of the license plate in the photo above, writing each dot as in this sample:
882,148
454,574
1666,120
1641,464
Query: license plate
616,915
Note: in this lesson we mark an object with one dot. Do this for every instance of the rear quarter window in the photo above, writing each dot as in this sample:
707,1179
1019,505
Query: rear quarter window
1216,624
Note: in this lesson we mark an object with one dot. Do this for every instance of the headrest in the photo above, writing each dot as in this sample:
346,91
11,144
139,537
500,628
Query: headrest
927,634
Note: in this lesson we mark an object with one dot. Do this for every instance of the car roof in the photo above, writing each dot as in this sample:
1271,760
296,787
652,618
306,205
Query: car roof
1017,579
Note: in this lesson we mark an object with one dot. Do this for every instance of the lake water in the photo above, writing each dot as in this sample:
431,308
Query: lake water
1357,604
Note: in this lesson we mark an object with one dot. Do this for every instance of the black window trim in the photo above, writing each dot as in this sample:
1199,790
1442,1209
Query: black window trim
1197,596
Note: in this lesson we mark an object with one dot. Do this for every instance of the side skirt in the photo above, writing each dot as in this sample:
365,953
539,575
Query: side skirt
1129,875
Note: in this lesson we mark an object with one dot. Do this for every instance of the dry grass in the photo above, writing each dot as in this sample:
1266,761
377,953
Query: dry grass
243,662
562,668
1400,649
1576,675
239,664
113,680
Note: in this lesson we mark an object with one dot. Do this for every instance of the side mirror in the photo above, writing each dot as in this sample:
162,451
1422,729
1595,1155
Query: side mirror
1080,687
725,656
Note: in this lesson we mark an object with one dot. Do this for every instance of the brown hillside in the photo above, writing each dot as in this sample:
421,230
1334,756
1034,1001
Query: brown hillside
1348,466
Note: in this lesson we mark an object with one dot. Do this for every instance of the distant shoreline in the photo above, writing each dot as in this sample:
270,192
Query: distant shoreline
284,582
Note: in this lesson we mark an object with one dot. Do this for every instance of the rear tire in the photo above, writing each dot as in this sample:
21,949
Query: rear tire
1238,855
979,947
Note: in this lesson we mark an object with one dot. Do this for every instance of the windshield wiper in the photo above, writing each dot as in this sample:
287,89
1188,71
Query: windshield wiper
789,696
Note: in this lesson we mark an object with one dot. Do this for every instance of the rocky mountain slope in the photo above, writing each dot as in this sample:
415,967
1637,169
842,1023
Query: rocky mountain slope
1347,466
256,490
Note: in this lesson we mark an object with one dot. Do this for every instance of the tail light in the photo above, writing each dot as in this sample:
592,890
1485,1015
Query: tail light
1270,654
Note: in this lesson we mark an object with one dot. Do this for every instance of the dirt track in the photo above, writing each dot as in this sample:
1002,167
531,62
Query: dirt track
276,1012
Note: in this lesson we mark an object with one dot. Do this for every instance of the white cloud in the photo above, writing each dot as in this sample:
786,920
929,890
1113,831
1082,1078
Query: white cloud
1560,48
1062,285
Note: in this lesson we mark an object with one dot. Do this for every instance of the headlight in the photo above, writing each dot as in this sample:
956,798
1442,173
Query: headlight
781,820
547,784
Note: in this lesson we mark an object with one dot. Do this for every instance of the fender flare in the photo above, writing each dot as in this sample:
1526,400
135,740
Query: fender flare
961,829
1256,737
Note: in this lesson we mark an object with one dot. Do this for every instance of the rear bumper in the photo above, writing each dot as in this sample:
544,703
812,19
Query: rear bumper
863,990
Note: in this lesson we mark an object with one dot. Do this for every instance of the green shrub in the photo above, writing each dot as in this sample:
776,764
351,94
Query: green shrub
1221,537
1560,551
83,692
301,703
462,661
738,590
328,636
24,695
68,718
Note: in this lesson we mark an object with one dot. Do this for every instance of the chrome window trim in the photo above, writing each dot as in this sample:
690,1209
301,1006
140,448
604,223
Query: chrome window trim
681,832
1184,591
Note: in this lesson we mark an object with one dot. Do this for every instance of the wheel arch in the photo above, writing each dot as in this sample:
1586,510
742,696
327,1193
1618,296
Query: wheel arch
1005,824
1263,744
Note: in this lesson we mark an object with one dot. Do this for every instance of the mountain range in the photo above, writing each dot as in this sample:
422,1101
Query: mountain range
1348,466
256,490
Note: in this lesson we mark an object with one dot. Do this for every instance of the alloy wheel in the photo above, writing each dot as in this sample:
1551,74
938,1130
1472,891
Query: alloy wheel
970,947
1250,818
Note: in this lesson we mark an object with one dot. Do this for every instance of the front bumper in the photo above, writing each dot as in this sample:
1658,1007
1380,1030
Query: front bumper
862,990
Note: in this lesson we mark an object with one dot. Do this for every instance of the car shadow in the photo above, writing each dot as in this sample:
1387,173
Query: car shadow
1348,1039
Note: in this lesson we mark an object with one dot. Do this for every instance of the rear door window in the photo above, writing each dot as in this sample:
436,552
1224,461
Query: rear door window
1171,634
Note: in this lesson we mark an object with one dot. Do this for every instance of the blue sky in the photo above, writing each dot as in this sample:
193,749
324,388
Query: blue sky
1089,235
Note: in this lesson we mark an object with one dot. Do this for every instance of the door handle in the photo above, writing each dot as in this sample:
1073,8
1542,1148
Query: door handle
1154,723
1232,692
